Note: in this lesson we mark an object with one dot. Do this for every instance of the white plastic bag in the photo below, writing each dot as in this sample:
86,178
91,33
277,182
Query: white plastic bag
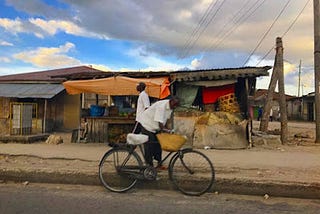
136,139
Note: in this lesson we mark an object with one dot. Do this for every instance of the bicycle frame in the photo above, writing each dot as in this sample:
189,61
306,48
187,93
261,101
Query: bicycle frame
162,161
137,171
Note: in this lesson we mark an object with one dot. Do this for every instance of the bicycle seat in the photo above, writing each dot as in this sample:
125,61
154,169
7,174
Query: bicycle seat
137,139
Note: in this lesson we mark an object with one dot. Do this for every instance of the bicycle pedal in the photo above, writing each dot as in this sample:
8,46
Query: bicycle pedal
150,173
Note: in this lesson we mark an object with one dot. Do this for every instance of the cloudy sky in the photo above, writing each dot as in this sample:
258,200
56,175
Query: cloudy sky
152,35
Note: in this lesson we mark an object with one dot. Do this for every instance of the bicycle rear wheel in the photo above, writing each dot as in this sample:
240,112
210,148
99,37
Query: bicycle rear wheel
191,172
111,172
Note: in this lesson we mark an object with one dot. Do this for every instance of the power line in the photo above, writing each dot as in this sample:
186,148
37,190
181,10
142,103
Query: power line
243,18
288,29
199,25
266,33
233,19
203,29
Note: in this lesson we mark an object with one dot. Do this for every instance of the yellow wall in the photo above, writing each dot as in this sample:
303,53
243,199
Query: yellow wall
4,115
71,111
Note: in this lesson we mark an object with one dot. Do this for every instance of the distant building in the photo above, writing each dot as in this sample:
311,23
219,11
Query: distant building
259,100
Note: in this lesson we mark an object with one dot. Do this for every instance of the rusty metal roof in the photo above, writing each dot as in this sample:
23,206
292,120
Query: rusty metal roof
219,74
54,76
23,90
86,72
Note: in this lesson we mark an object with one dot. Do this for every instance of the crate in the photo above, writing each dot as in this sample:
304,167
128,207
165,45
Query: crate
228,103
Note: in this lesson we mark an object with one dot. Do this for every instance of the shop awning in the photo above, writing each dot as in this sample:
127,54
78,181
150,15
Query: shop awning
119,85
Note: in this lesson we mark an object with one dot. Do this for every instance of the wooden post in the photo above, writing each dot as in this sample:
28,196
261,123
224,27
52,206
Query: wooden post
316,14
277,76
272,86
283,103
79,127
44,128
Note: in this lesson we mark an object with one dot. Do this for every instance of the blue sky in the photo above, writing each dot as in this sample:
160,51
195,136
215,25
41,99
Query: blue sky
148,35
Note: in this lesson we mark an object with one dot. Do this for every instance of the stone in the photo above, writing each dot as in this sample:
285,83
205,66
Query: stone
54,139
302,135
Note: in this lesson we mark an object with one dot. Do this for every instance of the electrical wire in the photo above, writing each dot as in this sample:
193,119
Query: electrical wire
233,19
288,29
199,25
203,29
267,32
243,18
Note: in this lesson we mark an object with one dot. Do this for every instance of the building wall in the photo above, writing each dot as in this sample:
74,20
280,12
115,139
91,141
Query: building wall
294,109
308,108
4,115
71,111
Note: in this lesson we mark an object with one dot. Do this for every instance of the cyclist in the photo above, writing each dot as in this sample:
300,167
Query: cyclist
154,120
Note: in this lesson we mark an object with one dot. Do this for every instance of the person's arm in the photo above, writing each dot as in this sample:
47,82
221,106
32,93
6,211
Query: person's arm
164,128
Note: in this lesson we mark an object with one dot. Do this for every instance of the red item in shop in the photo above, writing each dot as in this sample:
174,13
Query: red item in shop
211,94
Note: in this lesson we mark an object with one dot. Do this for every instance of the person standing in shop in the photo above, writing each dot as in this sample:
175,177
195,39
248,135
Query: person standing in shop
142,104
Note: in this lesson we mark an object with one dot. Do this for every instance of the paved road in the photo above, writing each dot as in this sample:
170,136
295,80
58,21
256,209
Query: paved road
45,198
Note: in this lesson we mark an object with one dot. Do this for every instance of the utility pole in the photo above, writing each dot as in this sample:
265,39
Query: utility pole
282,95
277,76
316,15
268,103
299,84
299,79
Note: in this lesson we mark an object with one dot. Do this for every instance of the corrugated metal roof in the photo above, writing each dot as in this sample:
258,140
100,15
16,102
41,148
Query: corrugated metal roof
220,74
22,90
54,76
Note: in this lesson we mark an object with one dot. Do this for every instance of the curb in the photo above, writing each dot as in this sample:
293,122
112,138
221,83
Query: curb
221,185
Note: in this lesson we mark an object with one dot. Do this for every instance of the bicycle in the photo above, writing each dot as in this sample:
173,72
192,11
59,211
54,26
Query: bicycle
121,167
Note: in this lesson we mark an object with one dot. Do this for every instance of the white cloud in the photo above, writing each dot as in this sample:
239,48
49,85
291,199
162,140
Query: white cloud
171,23
5,59
101,67
5,43
52,27
13,26
195,63
49,57
40,27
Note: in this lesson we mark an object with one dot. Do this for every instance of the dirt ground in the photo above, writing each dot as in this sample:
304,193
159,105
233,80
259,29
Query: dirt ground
301,136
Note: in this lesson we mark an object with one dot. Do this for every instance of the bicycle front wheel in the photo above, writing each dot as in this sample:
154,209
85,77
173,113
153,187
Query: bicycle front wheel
110,169
191,172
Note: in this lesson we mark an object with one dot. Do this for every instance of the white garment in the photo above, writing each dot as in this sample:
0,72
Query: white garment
271,112
142,104
158,112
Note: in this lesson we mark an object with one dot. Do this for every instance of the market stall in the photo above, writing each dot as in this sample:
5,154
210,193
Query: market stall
110,123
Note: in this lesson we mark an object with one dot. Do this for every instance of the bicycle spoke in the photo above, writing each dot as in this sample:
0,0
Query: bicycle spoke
117,168
192,172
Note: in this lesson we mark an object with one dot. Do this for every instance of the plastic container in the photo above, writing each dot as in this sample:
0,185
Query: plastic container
96,111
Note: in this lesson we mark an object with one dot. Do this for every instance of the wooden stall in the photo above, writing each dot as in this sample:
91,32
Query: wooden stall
113,126
106,129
